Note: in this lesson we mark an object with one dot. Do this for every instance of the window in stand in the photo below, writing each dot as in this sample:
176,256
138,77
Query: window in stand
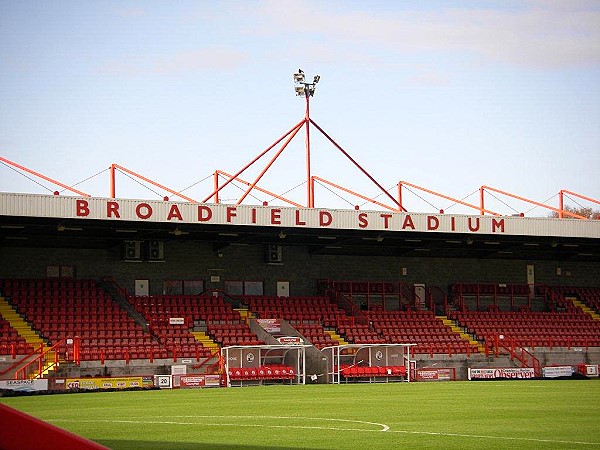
392,302
234,287
253,288
244,287
172,287
193,287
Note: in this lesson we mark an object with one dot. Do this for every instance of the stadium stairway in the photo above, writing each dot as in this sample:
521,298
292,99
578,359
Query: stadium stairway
586,309
457,329
26,332
205,340
245,314
22,327
336,337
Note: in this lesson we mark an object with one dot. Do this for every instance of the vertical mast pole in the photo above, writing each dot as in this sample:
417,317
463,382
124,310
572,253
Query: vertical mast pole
310,201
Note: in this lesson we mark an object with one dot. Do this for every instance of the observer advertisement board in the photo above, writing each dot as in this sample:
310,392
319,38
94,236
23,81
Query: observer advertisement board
503,372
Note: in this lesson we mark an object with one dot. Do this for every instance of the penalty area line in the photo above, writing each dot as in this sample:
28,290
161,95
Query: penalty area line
383,427
482,436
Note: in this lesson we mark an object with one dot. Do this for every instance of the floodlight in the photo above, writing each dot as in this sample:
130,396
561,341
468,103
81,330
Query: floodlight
304,88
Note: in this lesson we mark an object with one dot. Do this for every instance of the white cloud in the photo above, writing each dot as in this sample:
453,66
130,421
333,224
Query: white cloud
203,59
132,12
207,59
535,34
429,78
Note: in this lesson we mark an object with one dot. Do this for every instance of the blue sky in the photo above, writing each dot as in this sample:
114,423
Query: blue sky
448,95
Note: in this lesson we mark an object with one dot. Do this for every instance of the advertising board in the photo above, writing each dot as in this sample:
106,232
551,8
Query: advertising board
557,371
104,383
437,374
24,385
501,372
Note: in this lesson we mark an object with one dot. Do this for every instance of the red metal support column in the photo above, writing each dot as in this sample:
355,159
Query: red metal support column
481,201
216,186
561,204
76,350
400,207
112,181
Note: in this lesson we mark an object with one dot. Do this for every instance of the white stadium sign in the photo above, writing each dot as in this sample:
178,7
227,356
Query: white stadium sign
28,205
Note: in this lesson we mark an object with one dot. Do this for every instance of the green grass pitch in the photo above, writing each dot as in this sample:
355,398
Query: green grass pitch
520,415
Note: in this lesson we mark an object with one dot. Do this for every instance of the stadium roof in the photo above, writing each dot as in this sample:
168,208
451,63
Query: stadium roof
53,221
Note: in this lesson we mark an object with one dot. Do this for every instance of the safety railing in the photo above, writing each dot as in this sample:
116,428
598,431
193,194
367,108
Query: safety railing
49,359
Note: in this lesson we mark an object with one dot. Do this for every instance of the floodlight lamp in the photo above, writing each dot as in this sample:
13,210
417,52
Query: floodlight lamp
316,79
300,90
299,77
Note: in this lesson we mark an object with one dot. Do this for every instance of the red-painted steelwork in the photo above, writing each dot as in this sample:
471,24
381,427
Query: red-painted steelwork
561,200
148,180
297,126
269,164
557,210
357,165
240,180
429,191
337,186
43,177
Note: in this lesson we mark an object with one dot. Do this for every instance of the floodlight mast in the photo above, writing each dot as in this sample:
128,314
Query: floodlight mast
306,89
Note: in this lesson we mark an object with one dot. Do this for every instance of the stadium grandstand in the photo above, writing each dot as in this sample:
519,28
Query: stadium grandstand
107,289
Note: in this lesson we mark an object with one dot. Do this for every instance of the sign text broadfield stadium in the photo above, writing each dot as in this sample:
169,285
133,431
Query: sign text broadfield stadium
246,215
